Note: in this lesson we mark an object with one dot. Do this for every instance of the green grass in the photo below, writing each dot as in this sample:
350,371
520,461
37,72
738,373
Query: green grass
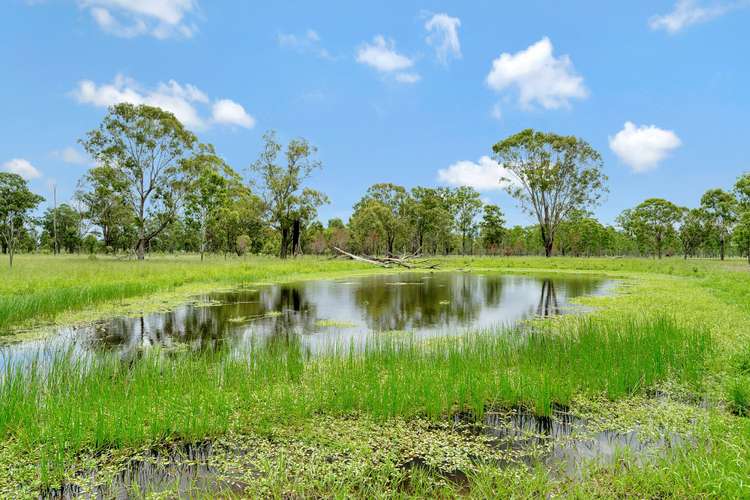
76,404
41,288
672,319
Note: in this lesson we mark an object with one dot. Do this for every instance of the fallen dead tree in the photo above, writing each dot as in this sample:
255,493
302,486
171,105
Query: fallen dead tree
405,261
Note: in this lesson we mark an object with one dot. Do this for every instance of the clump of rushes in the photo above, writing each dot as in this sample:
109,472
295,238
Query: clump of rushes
739,396
68,404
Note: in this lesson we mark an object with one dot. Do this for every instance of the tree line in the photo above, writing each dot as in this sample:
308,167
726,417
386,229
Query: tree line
156,188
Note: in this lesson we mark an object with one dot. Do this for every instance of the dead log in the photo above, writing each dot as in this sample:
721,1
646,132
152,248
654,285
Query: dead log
361,259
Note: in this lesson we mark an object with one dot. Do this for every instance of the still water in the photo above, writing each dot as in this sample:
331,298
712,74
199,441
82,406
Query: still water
321,313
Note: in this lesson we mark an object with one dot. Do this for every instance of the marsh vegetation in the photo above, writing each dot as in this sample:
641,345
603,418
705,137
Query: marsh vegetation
441,382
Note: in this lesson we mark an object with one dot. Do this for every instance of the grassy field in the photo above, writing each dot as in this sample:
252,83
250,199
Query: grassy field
679,329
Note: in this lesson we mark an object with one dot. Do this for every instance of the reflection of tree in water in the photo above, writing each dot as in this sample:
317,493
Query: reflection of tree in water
425,301
549,302
201,328
279,314
290,312
548,305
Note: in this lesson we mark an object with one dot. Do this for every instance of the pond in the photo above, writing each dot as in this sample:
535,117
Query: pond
326,312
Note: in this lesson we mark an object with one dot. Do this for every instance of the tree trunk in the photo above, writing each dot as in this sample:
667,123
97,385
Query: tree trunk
721,246
548,247
140,249
296,230
284,242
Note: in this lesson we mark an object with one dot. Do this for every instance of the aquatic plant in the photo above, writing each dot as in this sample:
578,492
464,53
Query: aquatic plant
66,403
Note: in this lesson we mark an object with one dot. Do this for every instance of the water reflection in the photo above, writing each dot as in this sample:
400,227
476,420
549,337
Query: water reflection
548,305
318,313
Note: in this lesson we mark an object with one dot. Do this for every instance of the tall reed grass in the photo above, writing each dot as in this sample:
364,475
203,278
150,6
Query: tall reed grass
71,404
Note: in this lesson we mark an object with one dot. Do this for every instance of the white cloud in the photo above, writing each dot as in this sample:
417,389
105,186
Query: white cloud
304,44
642,148
497,111
407,77
22,167
539,76
443,35
130,18
228,112
72,155
382,56
182,100
688,12
486,175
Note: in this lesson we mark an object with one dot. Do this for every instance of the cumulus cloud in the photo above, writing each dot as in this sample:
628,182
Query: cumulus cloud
643,147
72,156
130,18
309,43
382,56
484,175
443,35
689,12
22,167
228,112
539,76
182,100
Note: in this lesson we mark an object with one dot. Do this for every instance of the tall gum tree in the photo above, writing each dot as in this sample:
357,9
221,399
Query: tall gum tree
551,175
720,208
652,222
289,204
16,203
146,148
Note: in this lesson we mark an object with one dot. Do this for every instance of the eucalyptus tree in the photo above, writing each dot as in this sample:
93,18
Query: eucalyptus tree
65,222
720,208
742,231
651,223
581,234
238,224
289,204
385,205
741,236
145,147
16,204
468,205
742,191
492,228
430,218
100,192
551,175
212,180
692,232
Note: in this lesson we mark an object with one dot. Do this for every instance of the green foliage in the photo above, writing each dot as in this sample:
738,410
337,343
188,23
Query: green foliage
16,203
551,175
720,207
492,228
191,396
143,149
467,205
651,223
70,228
290,206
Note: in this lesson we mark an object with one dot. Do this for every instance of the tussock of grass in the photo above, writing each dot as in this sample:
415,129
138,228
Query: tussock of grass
75,404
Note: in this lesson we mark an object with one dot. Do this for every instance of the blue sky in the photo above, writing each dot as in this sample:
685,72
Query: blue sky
392,91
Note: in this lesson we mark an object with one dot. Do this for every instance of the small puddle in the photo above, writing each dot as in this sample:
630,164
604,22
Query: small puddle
185,471
563,443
